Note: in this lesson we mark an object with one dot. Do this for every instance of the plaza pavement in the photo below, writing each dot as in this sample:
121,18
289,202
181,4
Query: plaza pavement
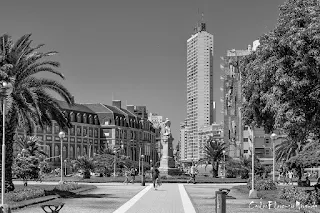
169,198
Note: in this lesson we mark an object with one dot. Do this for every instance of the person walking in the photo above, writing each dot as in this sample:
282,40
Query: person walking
155,175
126,176
133,175
193,172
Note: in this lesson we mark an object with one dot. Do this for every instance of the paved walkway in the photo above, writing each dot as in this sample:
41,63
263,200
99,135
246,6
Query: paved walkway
168,198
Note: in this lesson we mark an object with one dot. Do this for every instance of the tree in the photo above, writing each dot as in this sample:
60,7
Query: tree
214,153
84,163
281,79
30,104
30,144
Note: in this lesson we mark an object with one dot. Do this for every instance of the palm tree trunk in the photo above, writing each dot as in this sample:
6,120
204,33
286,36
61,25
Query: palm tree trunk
9,140
214,170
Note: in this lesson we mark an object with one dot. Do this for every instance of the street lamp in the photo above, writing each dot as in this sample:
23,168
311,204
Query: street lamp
252,193
224,163
61,136
65,167
142,174
6,90
273,138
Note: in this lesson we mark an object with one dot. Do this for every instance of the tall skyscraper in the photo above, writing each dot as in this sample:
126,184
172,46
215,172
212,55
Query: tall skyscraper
199,86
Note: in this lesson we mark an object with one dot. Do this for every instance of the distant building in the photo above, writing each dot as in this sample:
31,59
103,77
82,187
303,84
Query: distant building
200,49
156,120
239,137
183,142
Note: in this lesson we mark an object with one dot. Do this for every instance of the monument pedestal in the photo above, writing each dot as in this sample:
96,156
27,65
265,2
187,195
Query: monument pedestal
167,167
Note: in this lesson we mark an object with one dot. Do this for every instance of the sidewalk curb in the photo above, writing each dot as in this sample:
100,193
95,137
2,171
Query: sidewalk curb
43,199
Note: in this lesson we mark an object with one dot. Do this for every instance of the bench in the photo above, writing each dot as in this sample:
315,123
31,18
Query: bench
52,207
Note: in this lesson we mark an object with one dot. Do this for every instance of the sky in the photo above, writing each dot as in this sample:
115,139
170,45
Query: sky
135,50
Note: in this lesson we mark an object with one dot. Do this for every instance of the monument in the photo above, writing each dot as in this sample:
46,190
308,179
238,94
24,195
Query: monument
167,164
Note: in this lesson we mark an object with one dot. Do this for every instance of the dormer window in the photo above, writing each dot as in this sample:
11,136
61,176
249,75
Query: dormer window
85,120
72,117
78,117
90,119
96,122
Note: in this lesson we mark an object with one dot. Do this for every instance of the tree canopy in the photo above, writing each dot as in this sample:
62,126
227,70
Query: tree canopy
281,79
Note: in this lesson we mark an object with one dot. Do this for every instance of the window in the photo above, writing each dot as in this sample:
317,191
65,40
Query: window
245,128
267,151
245,139
245,151
267,141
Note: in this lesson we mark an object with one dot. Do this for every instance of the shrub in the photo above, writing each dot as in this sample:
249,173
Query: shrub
244,173
262,184
68,186
231,173
24,194
293,194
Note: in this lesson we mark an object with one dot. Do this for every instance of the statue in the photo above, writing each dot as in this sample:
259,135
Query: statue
167,162
165,129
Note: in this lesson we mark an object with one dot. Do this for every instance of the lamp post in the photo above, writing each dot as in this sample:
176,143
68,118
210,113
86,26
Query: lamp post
6,90
273,138
61,136
142,174
252,193
65,167
224,163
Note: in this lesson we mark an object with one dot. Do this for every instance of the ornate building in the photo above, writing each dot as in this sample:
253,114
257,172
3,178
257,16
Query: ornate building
96,127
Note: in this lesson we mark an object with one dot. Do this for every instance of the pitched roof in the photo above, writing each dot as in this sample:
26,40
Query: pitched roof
129,113
75,107
98,108
114,109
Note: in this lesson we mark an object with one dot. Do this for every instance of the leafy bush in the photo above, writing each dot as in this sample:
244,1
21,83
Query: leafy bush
231,173
68,186
262,184
24,194
293,194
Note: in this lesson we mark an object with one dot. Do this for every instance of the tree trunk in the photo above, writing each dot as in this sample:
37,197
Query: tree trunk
9,140
214,170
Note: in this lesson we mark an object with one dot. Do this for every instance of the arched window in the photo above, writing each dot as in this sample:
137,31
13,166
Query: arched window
90,119
120,123
96,122
117,121
48,150
84,150
56,150
64,152
78,117
72,117
71,153
85,120
78,151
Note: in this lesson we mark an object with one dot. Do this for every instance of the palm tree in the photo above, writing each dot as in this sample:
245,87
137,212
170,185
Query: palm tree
287,149
84,163
30,103
30,144
214,153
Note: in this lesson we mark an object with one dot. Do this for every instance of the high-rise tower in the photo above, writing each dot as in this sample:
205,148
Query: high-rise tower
199,86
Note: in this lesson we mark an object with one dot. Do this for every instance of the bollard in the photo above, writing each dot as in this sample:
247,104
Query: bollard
220,202
143,183
5,209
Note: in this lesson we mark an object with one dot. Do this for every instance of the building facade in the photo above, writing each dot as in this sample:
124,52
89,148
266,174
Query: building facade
199,87
183,149
96,127
241,138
